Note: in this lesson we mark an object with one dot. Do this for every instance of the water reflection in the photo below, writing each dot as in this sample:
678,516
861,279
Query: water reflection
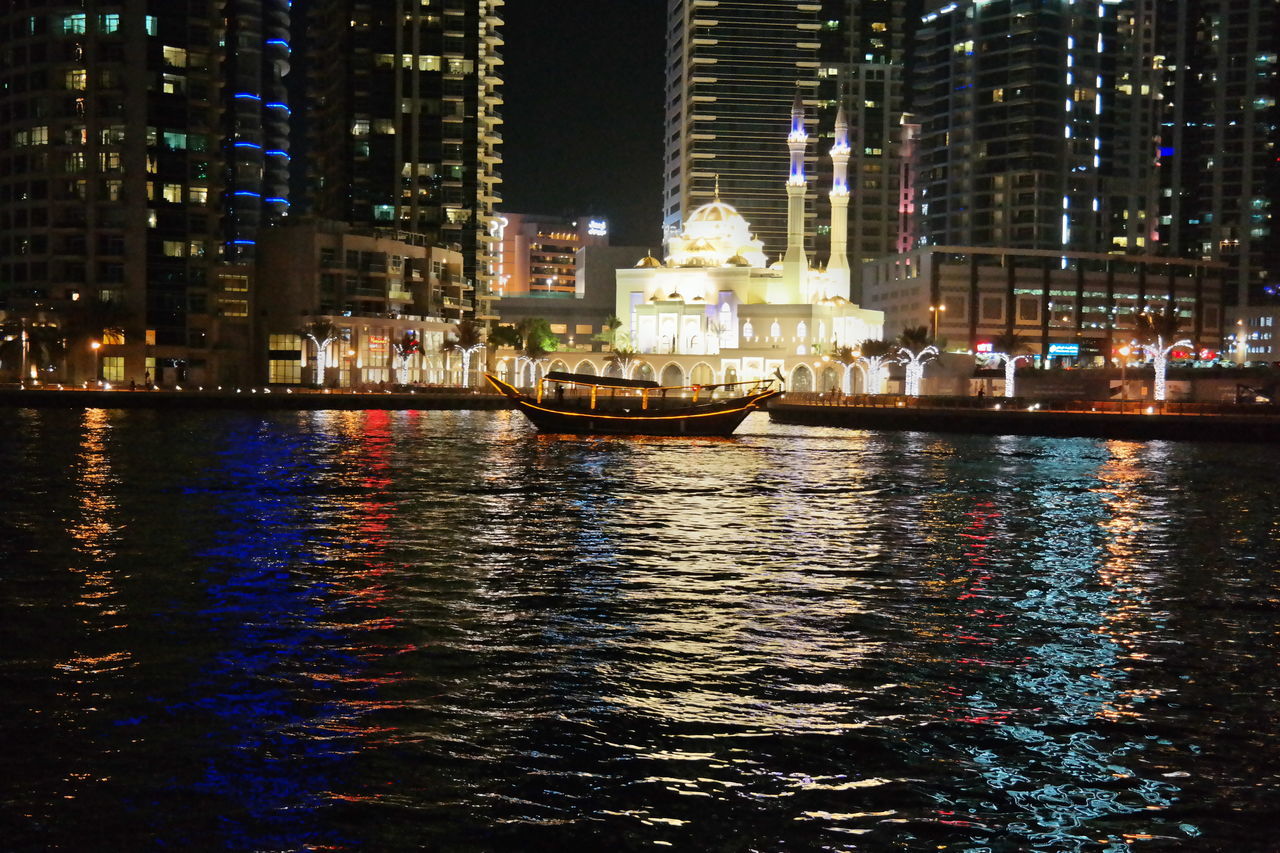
381,630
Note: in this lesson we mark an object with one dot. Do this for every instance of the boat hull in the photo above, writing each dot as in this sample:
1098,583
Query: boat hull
716,418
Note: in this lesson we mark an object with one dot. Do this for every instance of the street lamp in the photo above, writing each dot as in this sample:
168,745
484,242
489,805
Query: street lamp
95,346
936,310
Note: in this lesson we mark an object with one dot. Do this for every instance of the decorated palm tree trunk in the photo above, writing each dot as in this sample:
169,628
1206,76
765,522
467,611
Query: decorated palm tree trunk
322,334
914,350
1153,330
873,357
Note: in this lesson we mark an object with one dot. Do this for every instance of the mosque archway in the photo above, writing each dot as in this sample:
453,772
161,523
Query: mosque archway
613,370
672,376
702,374
643,371
586,367
801,379
558,365
829,381
730,375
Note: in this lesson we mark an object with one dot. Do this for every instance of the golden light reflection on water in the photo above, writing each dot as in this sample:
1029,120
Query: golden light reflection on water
1130,486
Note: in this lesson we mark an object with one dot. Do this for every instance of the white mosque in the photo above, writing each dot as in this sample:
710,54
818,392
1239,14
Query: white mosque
715,310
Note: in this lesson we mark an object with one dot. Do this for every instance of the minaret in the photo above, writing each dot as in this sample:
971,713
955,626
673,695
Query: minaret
838,265
795,265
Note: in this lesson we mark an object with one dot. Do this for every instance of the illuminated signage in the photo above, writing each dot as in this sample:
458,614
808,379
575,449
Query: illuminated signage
985,346
598,228
1064,349
378,341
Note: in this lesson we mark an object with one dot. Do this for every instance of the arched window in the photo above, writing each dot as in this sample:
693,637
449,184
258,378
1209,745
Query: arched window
748,332
802,329
775,330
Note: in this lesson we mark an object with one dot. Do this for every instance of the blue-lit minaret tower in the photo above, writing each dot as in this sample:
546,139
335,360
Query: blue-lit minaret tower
794,262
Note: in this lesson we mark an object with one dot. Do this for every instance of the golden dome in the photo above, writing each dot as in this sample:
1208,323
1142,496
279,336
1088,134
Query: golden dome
648,262
738,261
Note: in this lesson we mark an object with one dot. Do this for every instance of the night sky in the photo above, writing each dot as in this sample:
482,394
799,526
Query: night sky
583,118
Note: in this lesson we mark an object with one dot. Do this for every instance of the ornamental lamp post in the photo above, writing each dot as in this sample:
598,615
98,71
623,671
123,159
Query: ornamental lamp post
95,346
936,310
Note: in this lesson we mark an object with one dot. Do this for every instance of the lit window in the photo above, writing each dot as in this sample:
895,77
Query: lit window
109,23
73,24
174,56
173,193
198,195
77,78
173,249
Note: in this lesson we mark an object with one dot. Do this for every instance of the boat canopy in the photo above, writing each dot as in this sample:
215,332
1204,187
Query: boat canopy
602,381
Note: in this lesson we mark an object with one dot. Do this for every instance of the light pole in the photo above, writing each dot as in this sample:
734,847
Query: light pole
95,346
936,310
1124,369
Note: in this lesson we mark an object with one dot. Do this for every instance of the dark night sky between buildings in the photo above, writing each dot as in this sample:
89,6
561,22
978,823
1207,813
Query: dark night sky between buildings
583,114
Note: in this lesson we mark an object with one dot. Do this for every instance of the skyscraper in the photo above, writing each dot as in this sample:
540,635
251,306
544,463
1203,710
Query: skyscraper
403,120
134,156
1220,139
1037,124
862,64
733,68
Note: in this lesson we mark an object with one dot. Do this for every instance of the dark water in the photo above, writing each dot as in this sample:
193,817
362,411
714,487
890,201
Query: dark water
411,631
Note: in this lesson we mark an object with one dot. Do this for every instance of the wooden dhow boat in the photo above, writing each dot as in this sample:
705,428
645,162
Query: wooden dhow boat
584,404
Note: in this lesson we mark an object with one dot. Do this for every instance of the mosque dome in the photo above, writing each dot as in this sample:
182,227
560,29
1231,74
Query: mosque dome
648,262
738,261
716,211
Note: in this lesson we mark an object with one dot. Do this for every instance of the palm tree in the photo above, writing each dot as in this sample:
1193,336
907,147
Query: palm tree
1007,349
624,357
322,334
407,347
468,338
847,357
537,341
874,357
914,349
609,333
1156,333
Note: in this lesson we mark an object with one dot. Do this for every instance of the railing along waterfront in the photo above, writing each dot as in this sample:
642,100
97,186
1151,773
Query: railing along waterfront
1045,404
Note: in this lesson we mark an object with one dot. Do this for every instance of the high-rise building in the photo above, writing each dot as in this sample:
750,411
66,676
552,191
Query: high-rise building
862,64
733,68
402,108
1220,141
1037,125
140,146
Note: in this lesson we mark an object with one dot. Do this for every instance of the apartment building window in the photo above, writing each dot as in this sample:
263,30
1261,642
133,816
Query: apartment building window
73,24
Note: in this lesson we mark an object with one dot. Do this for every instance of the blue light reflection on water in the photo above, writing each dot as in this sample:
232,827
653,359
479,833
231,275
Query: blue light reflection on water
395,631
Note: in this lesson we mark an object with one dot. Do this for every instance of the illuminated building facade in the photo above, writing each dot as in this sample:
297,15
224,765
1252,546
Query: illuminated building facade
1074,306
378,287
1037,125
713,309
141,145
538,255
404,122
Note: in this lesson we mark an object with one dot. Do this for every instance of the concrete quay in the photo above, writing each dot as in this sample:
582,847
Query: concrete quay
52,396
1133,421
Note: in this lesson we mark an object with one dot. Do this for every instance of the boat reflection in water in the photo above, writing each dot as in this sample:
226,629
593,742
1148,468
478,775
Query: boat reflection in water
582,403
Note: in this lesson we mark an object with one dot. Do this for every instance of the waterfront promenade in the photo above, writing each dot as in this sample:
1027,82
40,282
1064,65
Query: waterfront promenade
54,396
1136,420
